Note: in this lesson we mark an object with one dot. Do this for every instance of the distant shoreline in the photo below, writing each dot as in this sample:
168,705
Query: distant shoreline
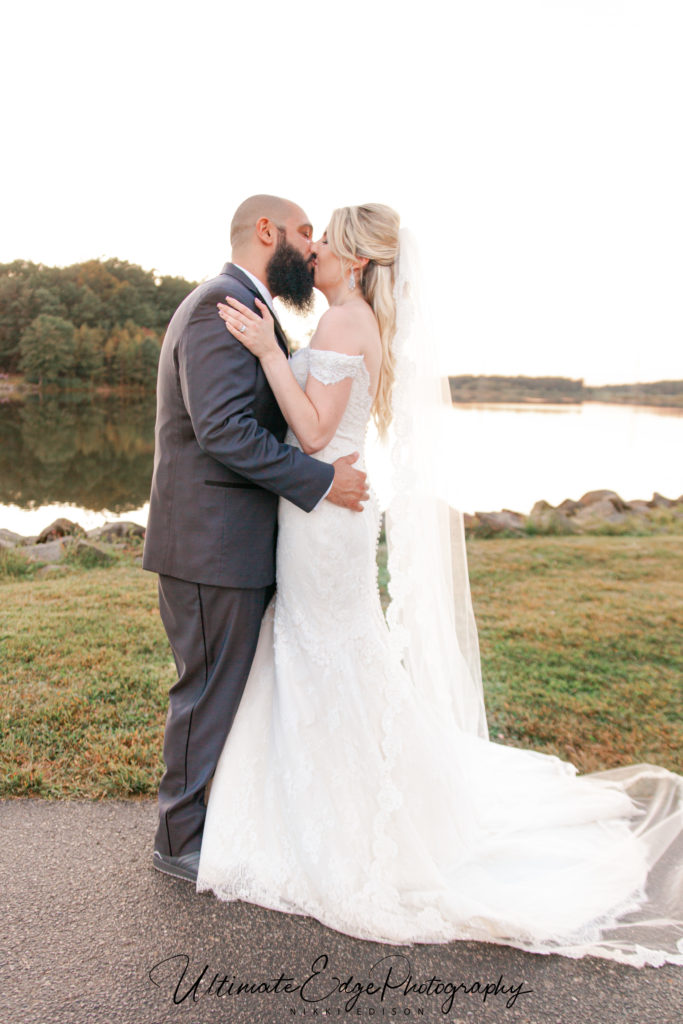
465,389
664,394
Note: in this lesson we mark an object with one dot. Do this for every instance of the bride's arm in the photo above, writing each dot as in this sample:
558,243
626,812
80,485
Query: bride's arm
315,414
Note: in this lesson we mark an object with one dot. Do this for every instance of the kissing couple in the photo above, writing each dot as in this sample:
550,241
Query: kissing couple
352,778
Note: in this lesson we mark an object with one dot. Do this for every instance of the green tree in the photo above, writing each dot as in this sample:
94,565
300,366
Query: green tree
132,355
169,294
47,350
112,295
89,353
15,311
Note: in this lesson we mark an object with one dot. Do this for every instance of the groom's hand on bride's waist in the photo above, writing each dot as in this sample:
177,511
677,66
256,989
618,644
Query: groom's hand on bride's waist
349,486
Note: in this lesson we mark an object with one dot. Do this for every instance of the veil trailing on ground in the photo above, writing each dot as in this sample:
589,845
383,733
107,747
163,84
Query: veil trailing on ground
433,629
430,616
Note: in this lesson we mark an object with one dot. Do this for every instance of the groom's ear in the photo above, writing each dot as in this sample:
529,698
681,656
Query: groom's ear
266,231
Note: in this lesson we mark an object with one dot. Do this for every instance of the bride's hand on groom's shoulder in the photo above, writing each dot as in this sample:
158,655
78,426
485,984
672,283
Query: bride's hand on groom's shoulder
256,333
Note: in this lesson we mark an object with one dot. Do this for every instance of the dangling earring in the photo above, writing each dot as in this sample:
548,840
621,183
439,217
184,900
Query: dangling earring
352,280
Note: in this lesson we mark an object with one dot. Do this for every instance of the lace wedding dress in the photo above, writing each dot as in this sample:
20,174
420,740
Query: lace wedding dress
343,794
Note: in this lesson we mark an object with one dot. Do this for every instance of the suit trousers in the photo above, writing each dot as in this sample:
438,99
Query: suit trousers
213,633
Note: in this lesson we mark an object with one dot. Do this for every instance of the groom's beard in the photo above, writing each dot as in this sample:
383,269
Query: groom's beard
290,276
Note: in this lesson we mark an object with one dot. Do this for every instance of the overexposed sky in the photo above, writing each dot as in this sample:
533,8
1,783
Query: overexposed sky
535,147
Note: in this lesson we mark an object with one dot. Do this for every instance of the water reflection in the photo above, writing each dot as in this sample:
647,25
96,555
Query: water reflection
513,456
93,454
92,461
510,456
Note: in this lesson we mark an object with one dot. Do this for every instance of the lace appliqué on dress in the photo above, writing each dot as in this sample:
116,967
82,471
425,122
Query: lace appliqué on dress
343,794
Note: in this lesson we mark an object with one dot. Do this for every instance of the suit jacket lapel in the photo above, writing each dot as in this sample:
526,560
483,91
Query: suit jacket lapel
230,270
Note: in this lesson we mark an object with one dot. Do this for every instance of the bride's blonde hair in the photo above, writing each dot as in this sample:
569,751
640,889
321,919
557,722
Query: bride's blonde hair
371,230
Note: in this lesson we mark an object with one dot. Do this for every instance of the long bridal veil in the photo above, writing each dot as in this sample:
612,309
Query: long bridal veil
432,627
430,616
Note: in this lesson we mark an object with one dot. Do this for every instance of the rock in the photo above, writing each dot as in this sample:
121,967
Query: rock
470,522
90,555
594,497
60,528
9,539
492,523
640,508
541,507
116,530
546,519
569,507
514,518
598,512
50,551
659,501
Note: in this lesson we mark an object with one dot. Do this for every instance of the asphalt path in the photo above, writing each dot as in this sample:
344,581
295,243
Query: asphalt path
94,935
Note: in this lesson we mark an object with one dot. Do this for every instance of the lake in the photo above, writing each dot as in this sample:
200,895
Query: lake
92,461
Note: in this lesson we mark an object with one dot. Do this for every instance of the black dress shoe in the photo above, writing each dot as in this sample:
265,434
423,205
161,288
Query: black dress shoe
186,866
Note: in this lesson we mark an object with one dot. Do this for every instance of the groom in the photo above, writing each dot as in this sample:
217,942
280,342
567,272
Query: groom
219,467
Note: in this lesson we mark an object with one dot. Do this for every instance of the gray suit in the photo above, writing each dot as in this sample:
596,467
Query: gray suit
219,467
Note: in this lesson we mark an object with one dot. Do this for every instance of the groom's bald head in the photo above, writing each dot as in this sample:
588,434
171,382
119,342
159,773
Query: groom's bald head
272,238
249,213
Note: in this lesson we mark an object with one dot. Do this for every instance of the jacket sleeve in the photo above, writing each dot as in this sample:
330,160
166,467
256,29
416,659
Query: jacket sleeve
218,378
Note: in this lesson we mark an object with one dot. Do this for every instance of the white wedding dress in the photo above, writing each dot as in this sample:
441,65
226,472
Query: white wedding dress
343,795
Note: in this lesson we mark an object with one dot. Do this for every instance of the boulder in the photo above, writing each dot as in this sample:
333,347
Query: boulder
640,508
516,520
546,519
49,551
116,531
659,501
541,508
599,512
595,497
90,555
9,539
492,523
60,528
569,507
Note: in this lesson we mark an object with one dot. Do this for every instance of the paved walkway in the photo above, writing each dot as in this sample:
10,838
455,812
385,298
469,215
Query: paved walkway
93,935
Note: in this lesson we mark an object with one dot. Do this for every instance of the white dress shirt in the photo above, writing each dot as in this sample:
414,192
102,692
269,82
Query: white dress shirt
265,294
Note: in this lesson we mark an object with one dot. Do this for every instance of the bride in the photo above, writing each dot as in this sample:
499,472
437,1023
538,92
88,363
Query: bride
358,785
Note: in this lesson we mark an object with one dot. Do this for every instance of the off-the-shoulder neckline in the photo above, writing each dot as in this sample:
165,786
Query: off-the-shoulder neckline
332,352
344,355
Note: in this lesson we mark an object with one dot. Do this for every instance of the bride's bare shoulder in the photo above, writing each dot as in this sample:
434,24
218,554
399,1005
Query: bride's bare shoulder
350,328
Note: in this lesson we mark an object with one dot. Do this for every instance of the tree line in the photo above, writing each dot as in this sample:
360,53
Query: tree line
470,388
98,322
563,390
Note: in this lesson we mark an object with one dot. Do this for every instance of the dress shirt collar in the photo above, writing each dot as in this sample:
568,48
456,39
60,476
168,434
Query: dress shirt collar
259,284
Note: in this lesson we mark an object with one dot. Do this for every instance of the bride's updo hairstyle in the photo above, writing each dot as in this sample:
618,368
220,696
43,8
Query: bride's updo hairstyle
371,230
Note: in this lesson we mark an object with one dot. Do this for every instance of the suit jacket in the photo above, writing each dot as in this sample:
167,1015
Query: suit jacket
219,460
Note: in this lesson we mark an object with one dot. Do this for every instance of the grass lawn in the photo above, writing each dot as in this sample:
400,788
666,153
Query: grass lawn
581,643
